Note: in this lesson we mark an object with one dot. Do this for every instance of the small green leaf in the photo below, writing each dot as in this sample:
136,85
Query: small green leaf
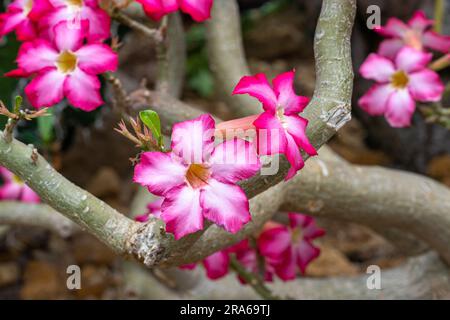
18,104
46,126
151,119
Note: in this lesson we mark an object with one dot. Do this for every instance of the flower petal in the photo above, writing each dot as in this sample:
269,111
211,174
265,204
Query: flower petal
234,160
296,127
375,100
68,37
377,68
400,108
154,208
156,9
182,212
193,140
283,86
258,87
411,60
160,172
271,136
394,28
36,55
9,22
199,10
390,47
294,157
287,269
46,89
274,241
436,41
225,204
97,58
7,176
10,191
307,225
99,23
419,21
426,86
217,265
26,30
306,252
83,90
28,195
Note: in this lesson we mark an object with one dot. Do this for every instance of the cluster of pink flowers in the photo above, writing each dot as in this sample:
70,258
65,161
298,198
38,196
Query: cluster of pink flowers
400,68
62,50
199,10
284,250
13,188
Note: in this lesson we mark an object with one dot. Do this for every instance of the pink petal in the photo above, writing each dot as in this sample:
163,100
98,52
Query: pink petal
99,23
234,160
400,108
156,9
419,21
287,269
296,127
307,225
67,37
83,90
46,89
294,157
36,55
283,86
394,28
39,9
189,266
193,140
271,137
10,191
29,196
375,100
411,60
377,68
141,218
160,172
182,212
274,241
225,204
7,176
26,30
257,86
390,47
17,73
426,86
217,265
9,22
199,10
97,58
154,208
436,41
306,252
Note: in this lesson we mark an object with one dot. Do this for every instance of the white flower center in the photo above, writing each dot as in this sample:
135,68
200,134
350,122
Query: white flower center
27,7
280,116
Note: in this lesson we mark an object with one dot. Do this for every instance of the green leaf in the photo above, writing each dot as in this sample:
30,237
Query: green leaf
151,119
46,126
18,104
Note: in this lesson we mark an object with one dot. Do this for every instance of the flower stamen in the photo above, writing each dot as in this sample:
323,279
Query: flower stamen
66,62
27,7
197,175
399,80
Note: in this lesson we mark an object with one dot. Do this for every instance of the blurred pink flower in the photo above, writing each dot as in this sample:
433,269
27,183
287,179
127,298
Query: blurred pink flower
416,34
399,84
198,180
153,208
280,128
14,188
199,10
290,248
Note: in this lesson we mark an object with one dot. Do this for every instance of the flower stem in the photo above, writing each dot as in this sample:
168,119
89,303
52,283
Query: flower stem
254,281
439,10
441,63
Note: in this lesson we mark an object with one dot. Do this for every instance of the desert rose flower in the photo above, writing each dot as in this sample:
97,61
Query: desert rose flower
290,247
280,128
199,10
14,188
198,180
399,84
21,16
65,67
73,12
416,34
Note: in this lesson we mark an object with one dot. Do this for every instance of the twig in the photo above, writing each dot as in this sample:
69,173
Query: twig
441,63
154,34
254,281
439,11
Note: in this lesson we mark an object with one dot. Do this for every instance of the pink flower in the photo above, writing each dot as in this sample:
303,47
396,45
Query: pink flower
199,10
154,208
280,128
21,16
399,84
290,248
65,67
73,12
14,188
198,180
415,34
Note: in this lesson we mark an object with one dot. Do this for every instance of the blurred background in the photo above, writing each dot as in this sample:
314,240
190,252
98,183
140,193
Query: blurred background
278,36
